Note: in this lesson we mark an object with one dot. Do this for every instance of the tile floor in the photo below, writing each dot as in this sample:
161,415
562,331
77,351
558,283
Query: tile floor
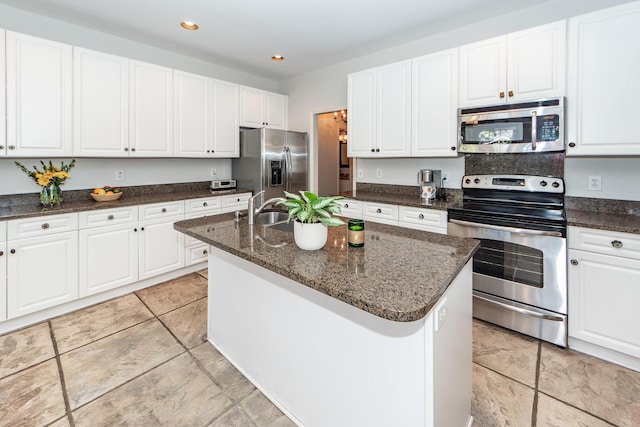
143,359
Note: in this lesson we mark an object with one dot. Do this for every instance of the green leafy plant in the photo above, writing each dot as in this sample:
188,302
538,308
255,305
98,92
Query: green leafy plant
309,208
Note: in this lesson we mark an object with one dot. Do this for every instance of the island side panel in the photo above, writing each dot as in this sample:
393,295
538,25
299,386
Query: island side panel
321,360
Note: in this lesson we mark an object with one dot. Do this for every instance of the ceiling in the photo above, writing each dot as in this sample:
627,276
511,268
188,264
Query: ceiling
244,34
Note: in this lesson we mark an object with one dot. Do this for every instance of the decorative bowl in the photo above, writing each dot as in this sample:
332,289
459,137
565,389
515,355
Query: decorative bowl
106,197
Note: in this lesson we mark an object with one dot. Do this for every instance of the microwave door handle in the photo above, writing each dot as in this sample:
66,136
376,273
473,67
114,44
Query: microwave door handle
534,130
507,229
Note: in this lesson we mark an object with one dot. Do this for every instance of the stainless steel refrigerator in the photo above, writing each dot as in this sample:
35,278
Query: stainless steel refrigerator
271,160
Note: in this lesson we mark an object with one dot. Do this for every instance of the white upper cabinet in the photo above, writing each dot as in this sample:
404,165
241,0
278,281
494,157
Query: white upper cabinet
151,110
525,65
38,96
259,109
3,105
435,100
205,117
101,104
604,87
225,134
192,109
379,105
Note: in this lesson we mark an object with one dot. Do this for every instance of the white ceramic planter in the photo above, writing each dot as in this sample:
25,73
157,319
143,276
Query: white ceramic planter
310,237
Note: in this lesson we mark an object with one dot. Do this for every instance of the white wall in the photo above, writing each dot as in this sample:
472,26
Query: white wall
326,90
91,173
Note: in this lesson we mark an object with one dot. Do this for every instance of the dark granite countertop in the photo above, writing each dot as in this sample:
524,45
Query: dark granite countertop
26,206
620,222
398,275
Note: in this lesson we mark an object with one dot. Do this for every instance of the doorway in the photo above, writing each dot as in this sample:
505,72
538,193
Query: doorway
334,167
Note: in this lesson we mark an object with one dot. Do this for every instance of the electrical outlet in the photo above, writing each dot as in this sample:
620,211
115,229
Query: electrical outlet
378,173
360,173
214,172
441,314
119,175
595,183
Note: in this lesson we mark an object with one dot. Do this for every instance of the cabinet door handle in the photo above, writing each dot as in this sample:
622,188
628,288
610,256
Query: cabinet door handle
45,225
574,262
510,93
237,200
377,150
378,210
373,150
1,253
501,94
12,147
126,148
572,144
141,228
421,216
616,244
133,149
13,251
110,217
135,230
346,205
1,147
453,148
164,210
205,252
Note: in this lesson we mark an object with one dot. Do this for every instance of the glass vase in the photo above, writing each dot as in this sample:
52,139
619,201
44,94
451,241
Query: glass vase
51,196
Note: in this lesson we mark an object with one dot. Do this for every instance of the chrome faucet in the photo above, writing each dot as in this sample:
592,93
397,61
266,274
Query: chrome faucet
252,211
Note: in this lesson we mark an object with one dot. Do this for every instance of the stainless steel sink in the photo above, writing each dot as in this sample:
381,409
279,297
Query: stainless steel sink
273,217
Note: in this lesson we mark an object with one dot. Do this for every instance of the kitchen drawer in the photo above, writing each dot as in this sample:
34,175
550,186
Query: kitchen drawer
188,240
235,202
3,231
625,245
350,208
380,212
424,217
197,254
160,210
41,226
100,218
206,205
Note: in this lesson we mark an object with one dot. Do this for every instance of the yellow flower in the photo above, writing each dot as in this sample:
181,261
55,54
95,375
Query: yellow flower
44,180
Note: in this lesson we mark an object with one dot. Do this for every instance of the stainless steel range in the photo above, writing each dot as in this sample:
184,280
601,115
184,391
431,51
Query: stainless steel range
519,272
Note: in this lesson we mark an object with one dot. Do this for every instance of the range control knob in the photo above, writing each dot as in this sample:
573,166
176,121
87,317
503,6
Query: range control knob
543,183
476,181
555,184
467,181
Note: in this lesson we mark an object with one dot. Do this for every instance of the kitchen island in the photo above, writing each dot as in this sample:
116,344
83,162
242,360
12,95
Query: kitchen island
378,335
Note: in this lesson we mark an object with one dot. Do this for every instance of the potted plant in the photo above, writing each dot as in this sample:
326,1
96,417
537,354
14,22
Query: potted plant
312,215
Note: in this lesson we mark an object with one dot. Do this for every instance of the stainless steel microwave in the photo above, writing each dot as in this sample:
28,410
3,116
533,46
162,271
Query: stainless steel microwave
527,127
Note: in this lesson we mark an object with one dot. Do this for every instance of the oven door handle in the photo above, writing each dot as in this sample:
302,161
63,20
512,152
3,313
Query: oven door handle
521,310
508,229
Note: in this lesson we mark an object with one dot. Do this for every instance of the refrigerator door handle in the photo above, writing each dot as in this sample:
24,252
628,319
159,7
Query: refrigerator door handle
287,166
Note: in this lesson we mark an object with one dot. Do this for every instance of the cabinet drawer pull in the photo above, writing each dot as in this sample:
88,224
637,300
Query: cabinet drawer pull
346,205
378,210
238,200
110,217
205,252
421,216
1,253
616,244
13,251
45,225
205,204
164,210
574,262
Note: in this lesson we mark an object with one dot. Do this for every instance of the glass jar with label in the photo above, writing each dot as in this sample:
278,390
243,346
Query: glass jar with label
355,235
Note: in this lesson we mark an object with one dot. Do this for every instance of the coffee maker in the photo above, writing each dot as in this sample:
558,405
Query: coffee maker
430,181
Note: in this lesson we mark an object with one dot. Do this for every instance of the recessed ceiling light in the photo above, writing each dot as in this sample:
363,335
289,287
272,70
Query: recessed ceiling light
189,25
277,58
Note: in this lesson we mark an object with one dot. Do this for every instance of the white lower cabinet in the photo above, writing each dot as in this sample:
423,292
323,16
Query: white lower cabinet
3,272
42,272
604,290
108,242
197,251
351,208
161,248
380,212
423,219
235,202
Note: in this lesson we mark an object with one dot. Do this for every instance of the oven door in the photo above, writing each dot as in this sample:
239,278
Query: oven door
526,266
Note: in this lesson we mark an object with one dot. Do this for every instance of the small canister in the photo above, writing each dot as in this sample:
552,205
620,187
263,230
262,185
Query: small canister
355,235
